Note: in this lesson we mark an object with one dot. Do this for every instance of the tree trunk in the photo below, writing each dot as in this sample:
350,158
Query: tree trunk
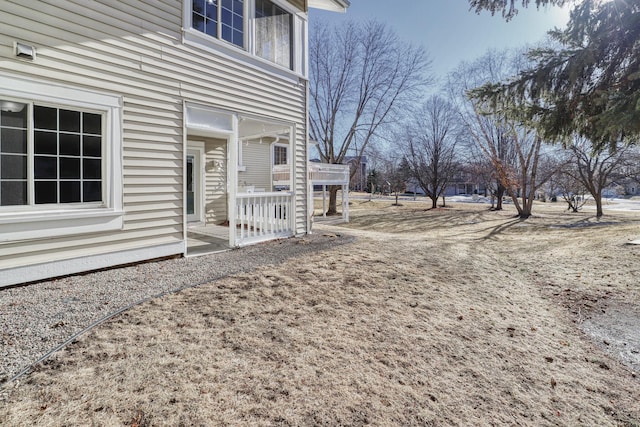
444,202
573,206
525,210
434,202
396,198
499,196
527,203
598,199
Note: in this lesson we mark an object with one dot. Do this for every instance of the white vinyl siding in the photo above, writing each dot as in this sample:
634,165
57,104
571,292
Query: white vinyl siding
134,49
273,37
215,181
256,159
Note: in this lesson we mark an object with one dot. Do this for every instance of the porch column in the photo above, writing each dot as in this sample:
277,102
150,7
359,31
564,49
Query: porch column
292,152
232,179
310,205
345,203
324,201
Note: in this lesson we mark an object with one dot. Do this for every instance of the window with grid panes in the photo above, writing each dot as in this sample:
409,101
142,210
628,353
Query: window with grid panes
272,27
279,155
222,19
64,162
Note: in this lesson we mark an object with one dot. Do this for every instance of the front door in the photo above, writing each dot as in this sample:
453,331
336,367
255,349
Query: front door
194,178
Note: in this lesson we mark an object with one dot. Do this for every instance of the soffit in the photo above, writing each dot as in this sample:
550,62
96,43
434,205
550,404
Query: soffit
333,5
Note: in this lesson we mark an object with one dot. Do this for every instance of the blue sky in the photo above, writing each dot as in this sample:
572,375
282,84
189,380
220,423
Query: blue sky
448,30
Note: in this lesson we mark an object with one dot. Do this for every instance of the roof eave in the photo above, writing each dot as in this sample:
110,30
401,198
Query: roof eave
333,5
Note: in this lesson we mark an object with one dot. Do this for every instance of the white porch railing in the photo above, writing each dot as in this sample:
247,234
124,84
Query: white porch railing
281,174
263,216
328,174
319,174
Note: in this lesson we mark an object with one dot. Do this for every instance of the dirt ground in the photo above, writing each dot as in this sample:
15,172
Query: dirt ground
452,316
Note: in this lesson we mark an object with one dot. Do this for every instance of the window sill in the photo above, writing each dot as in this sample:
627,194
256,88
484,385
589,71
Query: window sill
46,224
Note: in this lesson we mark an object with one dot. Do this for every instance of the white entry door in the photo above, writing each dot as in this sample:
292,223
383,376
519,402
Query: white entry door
195,177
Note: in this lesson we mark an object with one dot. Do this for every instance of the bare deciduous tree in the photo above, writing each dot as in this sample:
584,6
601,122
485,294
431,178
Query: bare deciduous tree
597,167
431,139
572,191
482,173
496,147
361,78
396,174
508,142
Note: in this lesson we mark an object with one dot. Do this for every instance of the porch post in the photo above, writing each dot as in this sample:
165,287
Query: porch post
292,151
232,179
324,201
345,203
184,178
309,207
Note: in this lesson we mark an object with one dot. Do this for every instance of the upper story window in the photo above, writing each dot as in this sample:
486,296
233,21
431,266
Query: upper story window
222,19
266,29
274,33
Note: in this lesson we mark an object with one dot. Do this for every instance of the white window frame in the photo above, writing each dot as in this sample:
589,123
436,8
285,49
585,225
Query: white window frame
273,152
246,54
291,23
34,221
219,24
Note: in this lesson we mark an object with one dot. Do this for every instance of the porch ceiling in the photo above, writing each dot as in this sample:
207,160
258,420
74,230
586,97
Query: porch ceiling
253,128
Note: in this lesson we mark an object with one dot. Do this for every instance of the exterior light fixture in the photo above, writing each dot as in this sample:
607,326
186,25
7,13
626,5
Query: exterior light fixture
11,107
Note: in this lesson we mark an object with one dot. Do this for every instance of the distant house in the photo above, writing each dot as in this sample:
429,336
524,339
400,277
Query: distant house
624,187
465,183
125,124
460,185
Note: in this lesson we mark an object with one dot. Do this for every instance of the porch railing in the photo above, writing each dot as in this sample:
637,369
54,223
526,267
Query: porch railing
263,216
328,174
319,174
281,175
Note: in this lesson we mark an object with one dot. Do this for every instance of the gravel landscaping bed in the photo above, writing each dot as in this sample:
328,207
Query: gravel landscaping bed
41,317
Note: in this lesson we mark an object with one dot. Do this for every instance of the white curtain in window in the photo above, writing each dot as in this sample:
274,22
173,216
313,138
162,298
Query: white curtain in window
273,37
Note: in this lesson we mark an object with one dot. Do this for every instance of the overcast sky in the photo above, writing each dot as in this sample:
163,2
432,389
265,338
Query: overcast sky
448,30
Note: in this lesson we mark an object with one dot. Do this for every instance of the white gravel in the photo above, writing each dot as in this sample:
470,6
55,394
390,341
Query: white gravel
38,318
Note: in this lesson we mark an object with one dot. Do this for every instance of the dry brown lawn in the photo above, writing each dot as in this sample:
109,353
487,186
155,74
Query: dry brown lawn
456,316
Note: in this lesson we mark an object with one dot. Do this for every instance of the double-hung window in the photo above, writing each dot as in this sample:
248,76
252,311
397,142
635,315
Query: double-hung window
265,29
60,166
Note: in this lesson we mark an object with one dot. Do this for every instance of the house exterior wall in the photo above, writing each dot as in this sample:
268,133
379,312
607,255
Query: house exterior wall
135,50
256,158
215,181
